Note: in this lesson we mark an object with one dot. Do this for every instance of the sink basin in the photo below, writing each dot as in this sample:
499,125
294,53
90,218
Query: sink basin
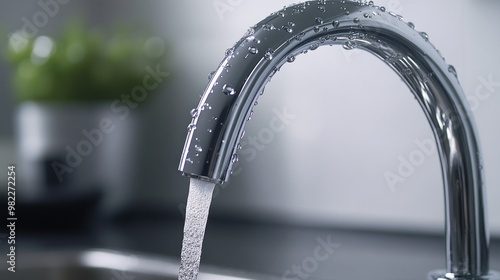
98,264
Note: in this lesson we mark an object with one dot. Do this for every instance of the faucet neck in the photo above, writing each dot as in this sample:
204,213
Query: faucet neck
218,121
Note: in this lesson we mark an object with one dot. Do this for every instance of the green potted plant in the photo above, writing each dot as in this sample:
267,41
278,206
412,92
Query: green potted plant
80,65
76,95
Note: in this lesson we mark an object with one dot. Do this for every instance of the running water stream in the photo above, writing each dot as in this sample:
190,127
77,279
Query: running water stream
198,204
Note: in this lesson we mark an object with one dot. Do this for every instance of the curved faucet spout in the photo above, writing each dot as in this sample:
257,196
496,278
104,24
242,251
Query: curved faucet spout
218,121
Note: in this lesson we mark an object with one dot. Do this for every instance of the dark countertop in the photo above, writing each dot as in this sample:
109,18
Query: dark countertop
264,248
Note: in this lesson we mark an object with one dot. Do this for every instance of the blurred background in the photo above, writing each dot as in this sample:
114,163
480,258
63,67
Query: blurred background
94,115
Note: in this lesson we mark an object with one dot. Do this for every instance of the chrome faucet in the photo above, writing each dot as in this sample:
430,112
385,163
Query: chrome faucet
219,120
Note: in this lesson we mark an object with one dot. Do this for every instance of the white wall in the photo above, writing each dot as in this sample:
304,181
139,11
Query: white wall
353,119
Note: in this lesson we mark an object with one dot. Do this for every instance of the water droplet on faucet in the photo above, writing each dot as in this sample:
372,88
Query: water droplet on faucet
211,75
229,51
314,46
287,29
348,45
198,148
234,158
356,20
335,24
228,90
253,50
268,27
206,106
194,113
425,36
191,127
452,70
250,32
268,55
249,38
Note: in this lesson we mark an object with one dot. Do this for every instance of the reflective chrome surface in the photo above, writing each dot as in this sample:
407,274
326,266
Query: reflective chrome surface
226,105
98,264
